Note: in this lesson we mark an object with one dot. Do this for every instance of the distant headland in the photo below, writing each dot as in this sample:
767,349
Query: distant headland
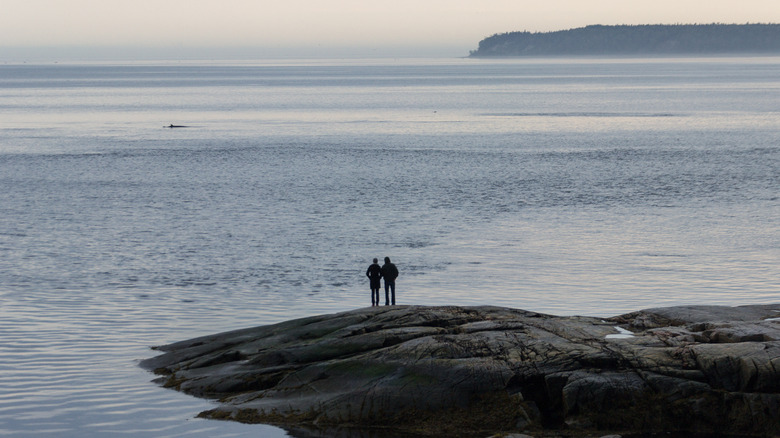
658,39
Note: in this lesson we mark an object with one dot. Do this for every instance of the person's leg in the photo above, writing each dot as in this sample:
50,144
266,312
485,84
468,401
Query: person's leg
392,290
387,294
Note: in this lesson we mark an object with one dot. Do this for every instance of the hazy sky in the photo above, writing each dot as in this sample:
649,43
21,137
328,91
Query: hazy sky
455,25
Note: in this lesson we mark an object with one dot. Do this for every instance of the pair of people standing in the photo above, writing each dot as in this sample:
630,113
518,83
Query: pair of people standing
389,272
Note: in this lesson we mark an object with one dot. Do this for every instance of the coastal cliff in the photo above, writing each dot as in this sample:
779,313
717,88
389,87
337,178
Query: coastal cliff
476,371
637,40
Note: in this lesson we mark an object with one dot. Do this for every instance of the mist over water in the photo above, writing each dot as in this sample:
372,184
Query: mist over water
583,186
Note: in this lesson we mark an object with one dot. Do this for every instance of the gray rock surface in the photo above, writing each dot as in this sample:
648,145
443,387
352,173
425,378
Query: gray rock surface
477,371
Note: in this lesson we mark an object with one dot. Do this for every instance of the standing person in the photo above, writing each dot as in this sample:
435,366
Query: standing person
374,273
389,273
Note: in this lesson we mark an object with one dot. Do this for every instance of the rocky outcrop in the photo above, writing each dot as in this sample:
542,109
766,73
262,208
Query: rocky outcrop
475,371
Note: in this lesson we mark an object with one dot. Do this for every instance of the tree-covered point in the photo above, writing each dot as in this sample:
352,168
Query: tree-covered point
640,39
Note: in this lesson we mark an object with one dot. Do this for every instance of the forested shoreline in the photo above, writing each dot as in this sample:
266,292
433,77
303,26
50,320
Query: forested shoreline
636,39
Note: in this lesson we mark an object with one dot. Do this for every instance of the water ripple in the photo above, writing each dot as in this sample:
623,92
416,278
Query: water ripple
593,188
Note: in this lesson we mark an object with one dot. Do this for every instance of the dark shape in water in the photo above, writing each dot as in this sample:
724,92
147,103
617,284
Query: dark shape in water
175,126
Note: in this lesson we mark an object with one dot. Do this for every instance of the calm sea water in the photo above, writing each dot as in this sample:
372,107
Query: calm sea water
563,186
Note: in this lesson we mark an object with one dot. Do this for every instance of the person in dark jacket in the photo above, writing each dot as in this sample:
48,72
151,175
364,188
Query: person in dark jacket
374,273
389,273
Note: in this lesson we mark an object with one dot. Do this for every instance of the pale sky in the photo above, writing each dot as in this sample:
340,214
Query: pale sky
454,25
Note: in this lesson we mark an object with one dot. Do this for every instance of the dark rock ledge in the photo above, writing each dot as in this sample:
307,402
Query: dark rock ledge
477,371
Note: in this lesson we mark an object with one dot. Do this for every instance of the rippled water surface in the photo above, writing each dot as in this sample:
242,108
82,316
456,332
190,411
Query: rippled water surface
562,186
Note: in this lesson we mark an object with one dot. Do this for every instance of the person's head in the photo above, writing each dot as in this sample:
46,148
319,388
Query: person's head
387,259
376,260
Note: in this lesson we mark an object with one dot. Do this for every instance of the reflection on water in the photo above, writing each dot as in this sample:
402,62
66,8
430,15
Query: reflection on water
593,187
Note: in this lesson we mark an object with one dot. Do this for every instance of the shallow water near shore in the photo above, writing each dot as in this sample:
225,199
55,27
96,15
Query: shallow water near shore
586,186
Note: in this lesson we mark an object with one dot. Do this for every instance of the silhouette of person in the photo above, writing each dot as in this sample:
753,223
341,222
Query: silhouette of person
374,273
389,273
